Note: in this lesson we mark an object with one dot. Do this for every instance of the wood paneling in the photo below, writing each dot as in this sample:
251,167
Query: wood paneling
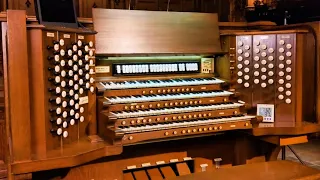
27,5
3,142
18,86
134,32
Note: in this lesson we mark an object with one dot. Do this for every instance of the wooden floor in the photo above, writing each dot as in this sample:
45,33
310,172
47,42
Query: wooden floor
309,153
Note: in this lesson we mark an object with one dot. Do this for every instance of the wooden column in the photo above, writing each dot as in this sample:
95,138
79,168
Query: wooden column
17,86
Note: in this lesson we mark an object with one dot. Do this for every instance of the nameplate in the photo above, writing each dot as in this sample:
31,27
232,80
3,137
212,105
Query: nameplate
187,158
131,167
83,100
50,34
174,160
160,162
80,37
67,36
145,164
102,69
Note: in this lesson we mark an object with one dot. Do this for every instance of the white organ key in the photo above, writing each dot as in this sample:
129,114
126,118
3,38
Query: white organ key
75,57
288,101
61,42
271,50
81,119
75,47
70,82
76,106
288,69
280,97
91,44
281,58
59,121
82,110
87,76
76,77
270,81
75,67
64,94
57,68
58,100
62,52
281,42
65,134
281,81
72,112
58,111
64,114
70,52
71,102
64,104
58,90
79,53
76,87
79,43
81,81
270,73
56,58
288,93
270,58
63,84
62,63
92,89
65,124
288,85
76,96
81,90
63,73
289,54
70,73
57,79
59,131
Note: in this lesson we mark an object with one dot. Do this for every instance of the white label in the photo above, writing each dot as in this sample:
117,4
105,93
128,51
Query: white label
80,37
83,100
131,167
232,126
66,36
187,158
50,34
174,160
146,164
160,162
102,69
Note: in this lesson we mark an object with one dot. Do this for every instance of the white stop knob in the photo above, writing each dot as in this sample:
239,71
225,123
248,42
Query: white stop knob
288,93
72,122
81,119
246,85
256,81
281,58
263,69
256,73
263,62
65,124
239,66
280,89
240,73
257,50
263,54
271,50
281,81
288,101
246,62
65,134
59,121
240,43
280,97
239,81
263,85
263,77
281,50
246,47
246,70
288,77
270,58
246,54
288,85
270,81
289,46
289,54
270,73
59,131
246,77
281,73
256,58
256,66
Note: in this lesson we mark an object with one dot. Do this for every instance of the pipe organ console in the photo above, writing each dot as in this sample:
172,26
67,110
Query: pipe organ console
150,98
277,68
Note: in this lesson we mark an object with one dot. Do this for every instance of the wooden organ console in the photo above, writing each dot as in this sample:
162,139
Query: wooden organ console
150,95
